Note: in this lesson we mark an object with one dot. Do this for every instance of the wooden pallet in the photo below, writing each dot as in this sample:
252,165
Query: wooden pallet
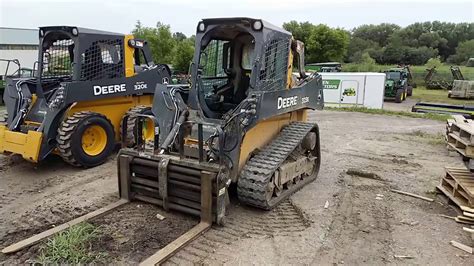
458,185
460,138
464,129
461,145
456,119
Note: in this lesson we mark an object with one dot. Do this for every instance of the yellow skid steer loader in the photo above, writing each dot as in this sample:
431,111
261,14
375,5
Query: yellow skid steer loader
87,81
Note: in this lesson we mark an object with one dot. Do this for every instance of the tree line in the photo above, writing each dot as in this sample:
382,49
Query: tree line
166,47
384,43
387,43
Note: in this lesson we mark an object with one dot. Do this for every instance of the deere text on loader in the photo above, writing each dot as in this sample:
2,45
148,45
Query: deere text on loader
244,124
87,81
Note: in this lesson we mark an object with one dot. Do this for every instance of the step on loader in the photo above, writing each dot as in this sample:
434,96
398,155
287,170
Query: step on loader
243,124
86,82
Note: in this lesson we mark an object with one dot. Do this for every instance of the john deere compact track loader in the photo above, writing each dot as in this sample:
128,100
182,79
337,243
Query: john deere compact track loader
245,122
87,81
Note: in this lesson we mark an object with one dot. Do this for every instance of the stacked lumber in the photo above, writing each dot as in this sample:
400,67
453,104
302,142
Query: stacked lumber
460,138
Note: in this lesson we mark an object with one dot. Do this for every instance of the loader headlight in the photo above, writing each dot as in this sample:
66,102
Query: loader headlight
257,25
75,31
41,33
201,27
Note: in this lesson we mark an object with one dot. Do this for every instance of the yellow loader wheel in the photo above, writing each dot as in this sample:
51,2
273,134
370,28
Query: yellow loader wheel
86,139
148,127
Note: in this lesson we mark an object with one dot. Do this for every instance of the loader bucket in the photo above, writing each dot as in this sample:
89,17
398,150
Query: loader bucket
26,144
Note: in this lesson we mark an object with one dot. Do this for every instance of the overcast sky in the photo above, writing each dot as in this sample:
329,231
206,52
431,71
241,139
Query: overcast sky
183,15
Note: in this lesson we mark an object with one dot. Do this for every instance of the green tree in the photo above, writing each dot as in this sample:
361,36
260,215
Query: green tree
464,51
326,44
412,43
300,31
322,43
358,46
159,38
183,55
375,33
179,36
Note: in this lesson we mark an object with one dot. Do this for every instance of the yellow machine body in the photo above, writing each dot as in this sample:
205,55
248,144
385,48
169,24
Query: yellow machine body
28,144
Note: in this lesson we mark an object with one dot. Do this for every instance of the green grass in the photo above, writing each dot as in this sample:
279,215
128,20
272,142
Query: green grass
438,117
433,139
72,246
437,96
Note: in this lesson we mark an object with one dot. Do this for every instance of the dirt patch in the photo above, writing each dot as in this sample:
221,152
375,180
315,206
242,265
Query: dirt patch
133,232
364,222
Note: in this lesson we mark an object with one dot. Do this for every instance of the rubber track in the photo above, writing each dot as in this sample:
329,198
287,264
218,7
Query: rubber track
65,131
132,112
258,171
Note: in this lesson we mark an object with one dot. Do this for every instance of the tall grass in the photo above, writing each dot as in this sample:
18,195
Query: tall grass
72,246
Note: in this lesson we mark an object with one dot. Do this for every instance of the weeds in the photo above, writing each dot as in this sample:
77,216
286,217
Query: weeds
72,246
438,117
433,139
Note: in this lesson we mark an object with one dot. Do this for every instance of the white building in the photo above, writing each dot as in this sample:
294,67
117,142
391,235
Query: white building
346,89
20,44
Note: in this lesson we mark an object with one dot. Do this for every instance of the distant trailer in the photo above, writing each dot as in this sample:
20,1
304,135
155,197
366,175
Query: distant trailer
347,89
463,89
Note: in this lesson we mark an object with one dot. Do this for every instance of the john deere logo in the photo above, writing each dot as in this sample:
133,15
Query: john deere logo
331,84
349,92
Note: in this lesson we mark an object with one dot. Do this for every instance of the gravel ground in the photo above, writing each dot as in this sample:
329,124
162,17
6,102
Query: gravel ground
404,106
356,228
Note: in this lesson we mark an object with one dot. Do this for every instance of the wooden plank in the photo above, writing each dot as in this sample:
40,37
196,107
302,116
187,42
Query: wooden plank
461,221
168,251
459,118
447,216
466,218
455,170
411,195
466,128
458,150
464,179
470,230
38,237
467,209
451,197
468,214
468,249
465,143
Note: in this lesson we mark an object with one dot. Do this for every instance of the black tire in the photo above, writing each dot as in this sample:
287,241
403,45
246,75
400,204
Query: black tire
132,118
70,135
399,96
409,91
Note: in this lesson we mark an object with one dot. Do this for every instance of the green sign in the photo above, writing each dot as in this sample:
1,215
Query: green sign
331,84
